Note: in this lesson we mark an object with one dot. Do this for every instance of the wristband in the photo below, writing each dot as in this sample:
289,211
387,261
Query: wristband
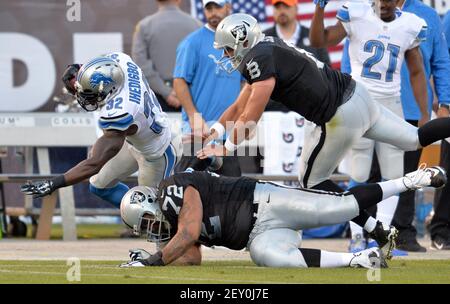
219,128
230,146
58,182
154,260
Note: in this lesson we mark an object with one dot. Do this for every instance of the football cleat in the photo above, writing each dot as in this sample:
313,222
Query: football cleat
395,252
385,236
371,258
132,264
435,177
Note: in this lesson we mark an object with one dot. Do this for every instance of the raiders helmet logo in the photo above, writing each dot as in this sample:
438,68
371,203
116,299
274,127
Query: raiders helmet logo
300,122
288,167
288,137
137,197
240,31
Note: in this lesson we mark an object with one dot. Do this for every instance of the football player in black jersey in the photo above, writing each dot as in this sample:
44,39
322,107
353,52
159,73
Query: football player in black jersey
194,208
340,109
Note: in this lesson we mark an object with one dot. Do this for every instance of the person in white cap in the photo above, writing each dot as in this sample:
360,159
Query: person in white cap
204,90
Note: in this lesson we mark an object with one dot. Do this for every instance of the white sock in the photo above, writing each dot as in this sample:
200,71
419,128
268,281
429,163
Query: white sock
392,187
370,224
355,229
334,259
386,209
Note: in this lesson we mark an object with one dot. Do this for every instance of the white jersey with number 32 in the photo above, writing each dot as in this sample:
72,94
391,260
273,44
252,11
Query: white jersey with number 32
377,48
136,104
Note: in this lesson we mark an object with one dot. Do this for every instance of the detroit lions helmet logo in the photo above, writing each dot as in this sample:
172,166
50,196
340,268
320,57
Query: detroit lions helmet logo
97,77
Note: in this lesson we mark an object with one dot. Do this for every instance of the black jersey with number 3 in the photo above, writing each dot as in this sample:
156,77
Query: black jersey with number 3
227,206
304,84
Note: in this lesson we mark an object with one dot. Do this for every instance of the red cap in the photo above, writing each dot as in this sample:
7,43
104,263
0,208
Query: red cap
287,2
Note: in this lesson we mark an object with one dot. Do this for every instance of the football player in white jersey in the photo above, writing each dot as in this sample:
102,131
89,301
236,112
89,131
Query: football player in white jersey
380,38
136,132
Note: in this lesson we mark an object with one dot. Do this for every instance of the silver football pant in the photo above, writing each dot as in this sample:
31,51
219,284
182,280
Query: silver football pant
326,145
283,211
129,160
390,158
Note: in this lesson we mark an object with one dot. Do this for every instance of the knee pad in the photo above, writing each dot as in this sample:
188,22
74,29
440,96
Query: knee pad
112,195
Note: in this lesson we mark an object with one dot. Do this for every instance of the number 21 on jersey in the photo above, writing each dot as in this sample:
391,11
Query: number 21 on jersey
378,50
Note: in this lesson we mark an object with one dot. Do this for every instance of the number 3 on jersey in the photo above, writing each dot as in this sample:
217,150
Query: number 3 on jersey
377,48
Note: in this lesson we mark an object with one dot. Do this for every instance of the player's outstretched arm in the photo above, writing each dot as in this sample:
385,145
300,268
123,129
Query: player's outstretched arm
230,115
105,148
257,101
259,95
183,244
320,36
418,82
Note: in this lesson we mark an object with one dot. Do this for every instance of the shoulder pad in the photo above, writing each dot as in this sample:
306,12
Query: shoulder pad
352,10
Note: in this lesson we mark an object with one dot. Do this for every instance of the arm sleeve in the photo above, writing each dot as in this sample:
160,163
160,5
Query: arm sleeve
420,34
259,68
186,61
120,122
440,64
143,59
345,61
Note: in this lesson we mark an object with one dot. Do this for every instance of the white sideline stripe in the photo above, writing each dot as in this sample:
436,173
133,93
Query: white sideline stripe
114,267
132,276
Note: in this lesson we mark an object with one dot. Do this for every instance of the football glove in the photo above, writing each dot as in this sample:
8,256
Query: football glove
322,3
69,74
140,257
38,188
138,254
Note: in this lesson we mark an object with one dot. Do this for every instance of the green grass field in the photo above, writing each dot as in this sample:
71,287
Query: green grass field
224,272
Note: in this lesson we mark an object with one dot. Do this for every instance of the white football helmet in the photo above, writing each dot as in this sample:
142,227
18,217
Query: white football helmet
140,211
97,81
239,33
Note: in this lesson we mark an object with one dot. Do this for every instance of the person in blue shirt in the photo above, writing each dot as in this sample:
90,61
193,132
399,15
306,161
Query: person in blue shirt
204,89
437,65
440,223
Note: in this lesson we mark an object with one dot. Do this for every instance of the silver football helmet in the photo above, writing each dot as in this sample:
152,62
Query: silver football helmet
97,81
236,35
140,211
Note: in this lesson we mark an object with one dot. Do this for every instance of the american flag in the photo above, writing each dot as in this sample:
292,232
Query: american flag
262,10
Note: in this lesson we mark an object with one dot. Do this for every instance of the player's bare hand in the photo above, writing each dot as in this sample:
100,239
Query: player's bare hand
211,150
